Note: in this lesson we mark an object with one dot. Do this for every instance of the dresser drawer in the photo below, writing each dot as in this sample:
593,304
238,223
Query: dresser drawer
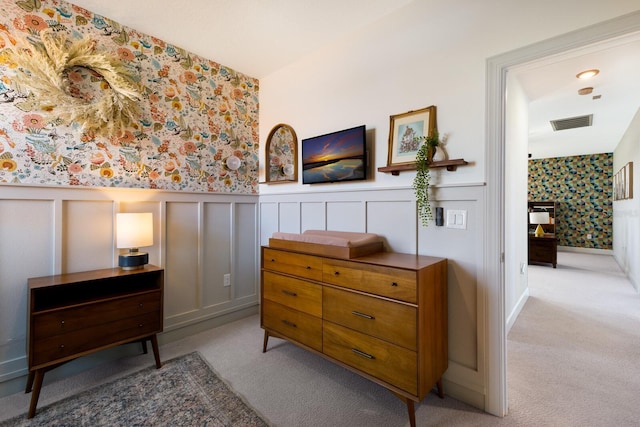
384,319
294,293
305,266
293,324
73,343
71,319
380,280
388,362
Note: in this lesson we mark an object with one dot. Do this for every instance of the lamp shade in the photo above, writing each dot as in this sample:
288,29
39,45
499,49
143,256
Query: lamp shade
539,217
134,230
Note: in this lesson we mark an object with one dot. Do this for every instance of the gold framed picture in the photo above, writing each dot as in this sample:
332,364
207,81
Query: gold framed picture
403,130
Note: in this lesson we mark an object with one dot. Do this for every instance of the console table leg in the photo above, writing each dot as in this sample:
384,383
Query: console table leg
29,382
266,340
156,351
39,376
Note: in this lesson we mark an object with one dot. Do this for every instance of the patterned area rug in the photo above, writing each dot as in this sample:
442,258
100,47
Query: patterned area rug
184,392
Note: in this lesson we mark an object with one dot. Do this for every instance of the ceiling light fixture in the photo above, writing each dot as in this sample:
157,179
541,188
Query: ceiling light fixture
587,74
585,91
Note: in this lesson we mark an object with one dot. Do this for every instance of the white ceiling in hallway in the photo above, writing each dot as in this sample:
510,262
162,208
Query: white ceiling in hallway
552,88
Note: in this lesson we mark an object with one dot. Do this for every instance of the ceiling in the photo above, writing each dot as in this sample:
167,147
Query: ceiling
552,88
259,37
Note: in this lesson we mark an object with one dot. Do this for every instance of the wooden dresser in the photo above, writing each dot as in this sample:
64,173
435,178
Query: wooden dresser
383,316
72,315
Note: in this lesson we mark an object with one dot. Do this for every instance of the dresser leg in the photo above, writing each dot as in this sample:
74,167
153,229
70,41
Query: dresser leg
266,340
39,376
156,351
412,413
440,389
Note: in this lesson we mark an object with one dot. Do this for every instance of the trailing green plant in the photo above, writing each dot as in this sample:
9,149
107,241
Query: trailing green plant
422,179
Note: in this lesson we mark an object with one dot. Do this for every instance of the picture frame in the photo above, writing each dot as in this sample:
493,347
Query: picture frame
403,128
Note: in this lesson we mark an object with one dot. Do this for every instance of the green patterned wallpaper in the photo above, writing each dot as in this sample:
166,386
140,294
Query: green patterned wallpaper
582,188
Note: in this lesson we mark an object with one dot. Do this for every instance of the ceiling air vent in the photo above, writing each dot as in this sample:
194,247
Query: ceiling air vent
572,122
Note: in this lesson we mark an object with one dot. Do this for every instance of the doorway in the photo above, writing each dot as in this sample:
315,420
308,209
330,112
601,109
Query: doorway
498,175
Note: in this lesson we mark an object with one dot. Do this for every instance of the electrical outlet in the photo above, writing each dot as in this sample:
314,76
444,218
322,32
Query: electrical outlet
227,280
589,236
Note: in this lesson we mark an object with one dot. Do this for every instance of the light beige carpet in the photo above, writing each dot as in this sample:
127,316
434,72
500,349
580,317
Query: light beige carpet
574,360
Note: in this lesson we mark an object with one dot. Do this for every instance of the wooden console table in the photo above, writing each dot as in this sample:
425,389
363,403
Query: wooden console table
72,315
382,315
543,249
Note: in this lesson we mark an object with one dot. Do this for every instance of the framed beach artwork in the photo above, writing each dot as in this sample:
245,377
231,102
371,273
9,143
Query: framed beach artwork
403,131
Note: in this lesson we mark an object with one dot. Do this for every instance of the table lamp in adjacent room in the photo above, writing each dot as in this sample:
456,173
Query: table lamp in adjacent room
539,218
134,231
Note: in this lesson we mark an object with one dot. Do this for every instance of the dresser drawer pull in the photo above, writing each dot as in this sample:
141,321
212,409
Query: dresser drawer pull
366,316
62,322
286,322
394,284
336,273
140,325
273,260
61,346
291,294
141,305
362,353
308,267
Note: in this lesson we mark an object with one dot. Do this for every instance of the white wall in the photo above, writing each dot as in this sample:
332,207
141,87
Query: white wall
516,243
427,53
626,213
198,237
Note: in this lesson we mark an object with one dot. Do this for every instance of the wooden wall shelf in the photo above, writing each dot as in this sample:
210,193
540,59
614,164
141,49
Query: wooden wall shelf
451,165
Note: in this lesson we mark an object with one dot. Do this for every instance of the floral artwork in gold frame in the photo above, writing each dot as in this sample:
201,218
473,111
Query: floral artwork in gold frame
403,131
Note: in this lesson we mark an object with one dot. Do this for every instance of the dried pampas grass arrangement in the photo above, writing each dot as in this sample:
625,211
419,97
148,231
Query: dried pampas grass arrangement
42,67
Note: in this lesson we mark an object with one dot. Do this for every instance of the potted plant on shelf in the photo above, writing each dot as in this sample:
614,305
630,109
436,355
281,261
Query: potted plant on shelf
424,157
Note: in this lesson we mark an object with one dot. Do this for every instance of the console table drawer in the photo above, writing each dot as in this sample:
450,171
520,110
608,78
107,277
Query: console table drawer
388,362
71,344
295,324
70,319
305,266
380,280
388,320
294,293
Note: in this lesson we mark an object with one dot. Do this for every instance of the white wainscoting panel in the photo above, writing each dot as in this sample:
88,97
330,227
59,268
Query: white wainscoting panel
216,255
87,234
289,217
182,280
346,216
245,250
314,216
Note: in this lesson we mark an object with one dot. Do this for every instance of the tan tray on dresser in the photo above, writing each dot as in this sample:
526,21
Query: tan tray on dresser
337,244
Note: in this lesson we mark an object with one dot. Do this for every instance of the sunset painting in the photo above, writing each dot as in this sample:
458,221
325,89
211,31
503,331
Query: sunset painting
339,156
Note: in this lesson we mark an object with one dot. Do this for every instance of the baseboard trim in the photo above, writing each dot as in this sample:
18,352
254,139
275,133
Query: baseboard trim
513,316
585,250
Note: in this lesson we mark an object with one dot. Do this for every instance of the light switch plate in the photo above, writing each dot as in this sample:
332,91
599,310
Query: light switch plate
457,219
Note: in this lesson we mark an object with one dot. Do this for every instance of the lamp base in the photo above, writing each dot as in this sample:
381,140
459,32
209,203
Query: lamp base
133,260
539,231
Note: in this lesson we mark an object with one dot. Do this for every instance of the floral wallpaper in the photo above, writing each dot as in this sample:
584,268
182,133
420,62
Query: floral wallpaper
582,188
194,114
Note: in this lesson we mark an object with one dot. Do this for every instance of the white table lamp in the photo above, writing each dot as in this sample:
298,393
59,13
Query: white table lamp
539,218
133,231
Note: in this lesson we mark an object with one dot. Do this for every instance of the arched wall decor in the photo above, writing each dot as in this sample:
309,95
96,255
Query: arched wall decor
281,155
